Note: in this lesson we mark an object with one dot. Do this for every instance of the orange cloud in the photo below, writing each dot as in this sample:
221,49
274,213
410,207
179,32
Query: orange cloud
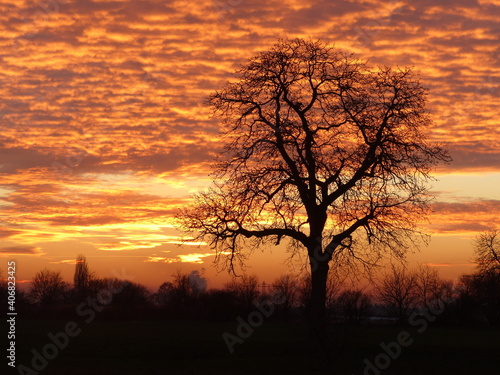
65,261
449,264
182,258
20,250
104,132
465,216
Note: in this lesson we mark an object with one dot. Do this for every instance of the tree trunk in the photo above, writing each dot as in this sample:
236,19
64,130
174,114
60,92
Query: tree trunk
317,308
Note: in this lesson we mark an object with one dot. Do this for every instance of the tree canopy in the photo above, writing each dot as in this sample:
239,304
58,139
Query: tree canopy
318,146
487,249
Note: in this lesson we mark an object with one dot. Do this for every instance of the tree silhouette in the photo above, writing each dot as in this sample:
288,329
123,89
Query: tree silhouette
353,305
132,295
322,150
430,289
286,287
184,288
482,289
47,287
398,292
245,291
487,249
164,294
83,277
479,297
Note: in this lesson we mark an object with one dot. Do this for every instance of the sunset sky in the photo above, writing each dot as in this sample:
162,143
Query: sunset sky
104,133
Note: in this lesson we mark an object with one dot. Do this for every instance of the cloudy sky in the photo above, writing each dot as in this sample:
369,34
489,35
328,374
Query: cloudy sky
104,133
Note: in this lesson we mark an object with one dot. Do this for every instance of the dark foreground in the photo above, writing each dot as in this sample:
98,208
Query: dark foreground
193,347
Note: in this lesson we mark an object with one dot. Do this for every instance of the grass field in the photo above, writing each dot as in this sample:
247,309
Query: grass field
191,347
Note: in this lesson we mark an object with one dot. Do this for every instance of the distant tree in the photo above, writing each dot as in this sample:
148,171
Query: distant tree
353,305
180,294
321,150
185,288
164,294
305,291
245,290
428,286
479,297
335,285
131,295
448,290
487,249
467,310
82,279
47,287
398,292
286,288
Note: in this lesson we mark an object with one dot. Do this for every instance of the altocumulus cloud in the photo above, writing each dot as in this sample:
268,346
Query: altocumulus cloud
108,88
21,250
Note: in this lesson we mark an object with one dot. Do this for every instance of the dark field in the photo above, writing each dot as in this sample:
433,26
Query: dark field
193,347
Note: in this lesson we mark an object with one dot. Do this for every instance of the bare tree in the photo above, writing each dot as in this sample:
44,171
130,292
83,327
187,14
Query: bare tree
82,279
305,291
429,287
287,289
487,249
353,305
398,292
184,288
245,290
164,294
479,297
47,287
335,285
321,150
478,294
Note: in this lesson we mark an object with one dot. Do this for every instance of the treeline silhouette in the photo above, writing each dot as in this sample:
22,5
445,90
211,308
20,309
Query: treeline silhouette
398,294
